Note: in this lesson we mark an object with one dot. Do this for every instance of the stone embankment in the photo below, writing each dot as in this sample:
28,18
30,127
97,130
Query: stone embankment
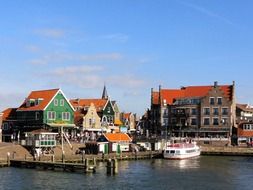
227,150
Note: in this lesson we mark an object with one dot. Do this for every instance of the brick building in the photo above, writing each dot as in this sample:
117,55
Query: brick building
195,111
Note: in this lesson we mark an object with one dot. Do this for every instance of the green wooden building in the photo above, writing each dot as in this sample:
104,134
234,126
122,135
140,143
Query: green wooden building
45,109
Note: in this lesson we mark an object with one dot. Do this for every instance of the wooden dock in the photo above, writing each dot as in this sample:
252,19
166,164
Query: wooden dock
85,164
71,167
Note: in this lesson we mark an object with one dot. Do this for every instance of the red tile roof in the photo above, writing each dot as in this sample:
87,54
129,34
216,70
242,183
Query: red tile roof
8,113
117,137
46,95
126,115
186,92
98,103
155,97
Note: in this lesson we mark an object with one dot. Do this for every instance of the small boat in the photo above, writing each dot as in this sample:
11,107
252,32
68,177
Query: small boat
179,151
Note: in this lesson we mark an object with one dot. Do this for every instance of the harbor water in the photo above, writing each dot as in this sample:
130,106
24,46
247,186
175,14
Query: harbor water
205,172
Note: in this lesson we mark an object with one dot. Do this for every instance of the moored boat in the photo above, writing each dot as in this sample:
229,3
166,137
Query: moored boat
180,151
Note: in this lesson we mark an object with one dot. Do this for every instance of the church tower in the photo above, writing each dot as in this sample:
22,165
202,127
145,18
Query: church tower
104,94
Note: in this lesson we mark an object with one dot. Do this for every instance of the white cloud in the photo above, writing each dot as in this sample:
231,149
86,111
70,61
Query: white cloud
76,70
63,57
51,32
126,81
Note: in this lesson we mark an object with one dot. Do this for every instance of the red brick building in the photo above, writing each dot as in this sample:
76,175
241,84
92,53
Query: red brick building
196,111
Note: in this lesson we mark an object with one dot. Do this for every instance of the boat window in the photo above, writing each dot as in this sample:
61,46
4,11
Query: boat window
172,151
177,152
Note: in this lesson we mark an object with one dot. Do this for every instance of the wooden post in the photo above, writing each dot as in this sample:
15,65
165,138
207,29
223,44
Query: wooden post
94,162
82,157
86,165
8,159
52,158
115,166
109,167
63,157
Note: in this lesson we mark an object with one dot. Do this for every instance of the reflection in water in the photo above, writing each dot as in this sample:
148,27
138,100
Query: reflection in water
186,163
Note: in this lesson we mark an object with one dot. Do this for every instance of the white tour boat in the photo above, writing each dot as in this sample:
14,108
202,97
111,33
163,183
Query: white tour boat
180,151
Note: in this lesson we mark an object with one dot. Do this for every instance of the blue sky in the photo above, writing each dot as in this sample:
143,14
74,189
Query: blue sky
131,45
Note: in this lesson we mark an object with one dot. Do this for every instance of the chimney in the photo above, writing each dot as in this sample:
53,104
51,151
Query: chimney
215,84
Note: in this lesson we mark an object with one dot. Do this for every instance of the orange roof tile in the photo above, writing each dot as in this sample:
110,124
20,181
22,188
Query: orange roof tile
46,96
191,91
126,115
155,98
8,113
117,137
98,103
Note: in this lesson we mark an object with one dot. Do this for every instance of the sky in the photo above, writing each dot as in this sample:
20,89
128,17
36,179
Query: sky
130,46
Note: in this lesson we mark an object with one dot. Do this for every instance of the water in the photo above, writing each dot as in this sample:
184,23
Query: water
205,172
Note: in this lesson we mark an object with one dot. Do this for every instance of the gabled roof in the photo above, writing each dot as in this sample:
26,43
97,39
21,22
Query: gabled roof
98,103
9,113
117,137
45,96
126,115
244,107
189,92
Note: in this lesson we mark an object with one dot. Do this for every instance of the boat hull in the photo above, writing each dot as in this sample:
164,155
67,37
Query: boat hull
180,157
181,151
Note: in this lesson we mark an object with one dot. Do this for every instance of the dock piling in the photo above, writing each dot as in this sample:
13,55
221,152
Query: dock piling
8,158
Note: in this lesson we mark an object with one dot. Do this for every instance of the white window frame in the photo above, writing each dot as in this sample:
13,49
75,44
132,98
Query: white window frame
50,115
218,101
205,112
65,116
214,112
56,102
222,110
210,100
61,102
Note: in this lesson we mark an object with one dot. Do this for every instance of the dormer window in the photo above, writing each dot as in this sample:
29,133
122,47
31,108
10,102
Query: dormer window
32,102
62,102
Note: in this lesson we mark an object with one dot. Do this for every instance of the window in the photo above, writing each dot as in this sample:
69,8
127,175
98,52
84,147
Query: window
206,111
109,110
215,121
55,102
224,111
211,100
90,122
224,121
219,101
51,115
215,111
206,121
62,102
194,111
5,126
66,116
37,115
193,121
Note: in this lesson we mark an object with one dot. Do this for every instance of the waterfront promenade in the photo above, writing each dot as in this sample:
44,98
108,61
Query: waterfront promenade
17,152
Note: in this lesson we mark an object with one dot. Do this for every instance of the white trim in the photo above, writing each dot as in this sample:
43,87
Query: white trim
110,103
59,90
